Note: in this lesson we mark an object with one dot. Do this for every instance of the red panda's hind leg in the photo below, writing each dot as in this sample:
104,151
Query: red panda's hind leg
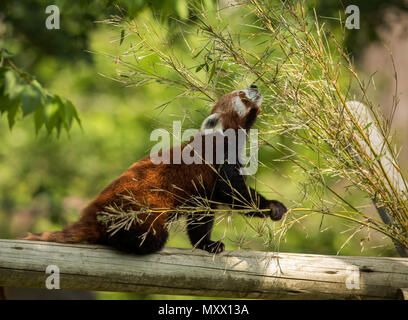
133,241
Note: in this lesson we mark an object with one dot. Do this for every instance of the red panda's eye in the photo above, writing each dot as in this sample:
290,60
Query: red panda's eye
243,96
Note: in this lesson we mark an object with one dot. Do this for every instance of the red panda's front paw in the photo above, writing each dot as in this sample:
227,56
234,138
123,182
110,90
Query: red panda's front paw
278,209
213,246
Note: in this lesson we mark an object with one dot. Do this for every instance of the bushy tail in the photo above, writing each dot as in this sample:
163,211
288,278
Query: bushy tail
81,231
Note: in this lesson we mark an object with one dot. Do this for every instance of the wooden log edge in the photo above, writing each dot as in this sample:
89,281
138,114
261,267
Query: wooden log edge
231,274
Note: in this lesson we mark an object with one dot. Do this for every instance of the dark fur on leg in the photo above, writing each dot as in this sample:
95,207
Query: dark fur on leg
278,209
132,241
231,188
199,231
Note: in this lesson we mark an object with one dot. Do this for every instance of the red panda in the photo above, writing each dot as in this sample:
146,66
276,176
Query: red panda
170,185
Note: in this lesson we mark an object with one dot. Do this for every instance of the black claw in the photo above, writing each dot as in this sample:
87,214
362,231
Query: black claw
278,209
213,247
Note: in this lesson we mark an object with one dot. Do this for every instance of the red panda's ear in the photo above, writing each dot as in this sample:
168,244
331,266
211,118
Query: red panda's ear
211,124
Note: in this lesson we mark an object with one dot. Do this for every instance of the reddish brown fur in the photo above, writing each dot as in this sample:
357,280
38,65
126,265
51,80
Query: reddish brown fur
177,182
143,180
230,118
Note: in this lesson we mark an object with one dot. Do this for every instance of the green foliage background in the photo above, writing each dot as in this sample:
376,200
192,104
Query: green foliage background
45,180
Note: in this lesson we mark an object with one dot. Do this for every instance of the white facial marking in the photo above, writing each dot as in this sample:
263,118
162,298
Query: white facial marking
239,106
252,95
211,124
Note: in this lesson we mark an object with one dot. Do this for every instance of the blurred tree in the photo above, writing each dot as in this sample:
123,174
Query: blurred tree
372,18
24,23
21,93
28,38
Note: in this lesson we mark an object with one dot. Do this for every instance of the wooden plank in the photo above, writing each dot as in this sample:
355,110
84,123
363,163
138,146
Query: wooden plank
403,294
237,274
2,293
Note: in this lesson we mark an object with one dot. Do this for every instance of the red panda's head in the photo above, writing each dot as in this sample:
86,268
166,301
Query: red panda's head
235,110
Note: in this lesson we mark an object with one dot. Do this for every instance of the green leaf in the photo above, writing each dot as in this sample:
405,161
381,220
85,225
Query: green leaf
5,101
12,112
19,89
208,4
51,113
122,36
36,84
368,125
200,67
2,72
12,88
69,111
58,126
38,119
212,72
74,112
182,8
202,49
31,99
4,53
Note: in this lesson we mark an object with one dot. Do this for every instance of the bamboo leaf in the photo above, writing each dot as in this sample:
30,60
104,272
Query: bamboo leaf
122,36
212,72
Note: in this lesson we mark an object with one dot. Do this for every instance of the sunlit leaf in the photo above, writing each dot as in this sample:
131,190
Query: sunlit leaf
19,91
51,113
12,112
31,99
4,53
212,72
182,8
122,36
39,119
12,88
